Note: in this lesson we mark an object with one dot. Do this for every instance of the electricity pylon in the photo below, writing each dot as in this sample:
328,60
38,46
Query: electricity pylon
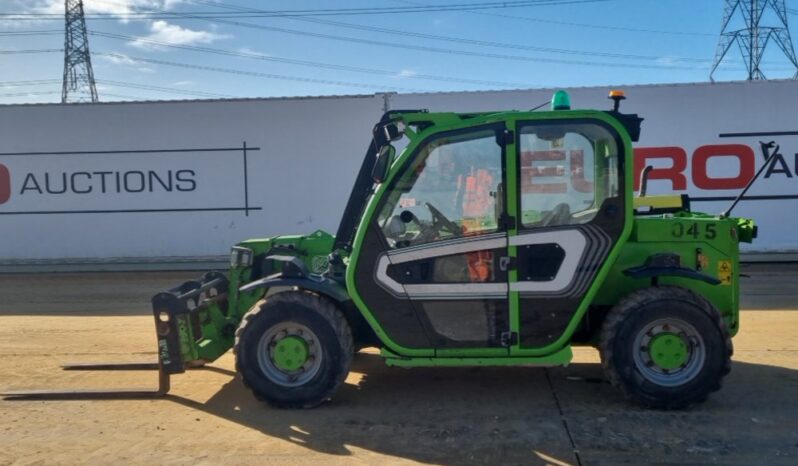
78,85
754,37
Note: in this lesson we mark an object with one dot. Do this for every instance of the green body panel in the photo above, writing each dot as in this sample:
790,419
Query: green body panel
218,325
668,351
560,358
707,244
684,234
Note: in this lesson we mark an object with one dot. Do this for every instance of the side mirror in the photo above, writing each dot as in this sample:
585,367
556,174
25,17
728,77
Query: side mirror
384,159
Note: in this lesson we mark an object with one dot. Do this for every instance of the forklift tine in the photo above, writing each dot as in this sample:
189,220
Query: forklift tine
122,394
111,366
90,394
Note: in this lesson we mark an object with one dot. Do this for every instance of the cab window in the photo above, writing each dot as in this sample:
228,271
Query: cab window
449,190
566,170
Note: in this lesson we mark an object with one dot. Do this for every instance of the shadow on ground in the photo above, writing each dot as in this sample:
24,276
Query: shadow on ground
445,416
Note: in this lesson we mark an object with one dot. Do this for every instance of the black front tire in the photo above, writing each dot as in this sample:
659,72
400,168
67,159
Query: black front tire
301,309
691,318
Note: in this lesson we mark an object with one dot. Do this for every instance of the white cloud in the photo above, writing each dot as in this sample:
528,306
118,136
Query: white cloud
406,73
116,7
162,31
248,51
120,59
666,60
183,83
159,30
108,6
168,4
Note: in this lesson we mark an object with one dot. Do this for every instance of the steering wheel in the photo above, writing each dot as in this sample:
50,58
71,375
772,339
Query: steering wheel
440,222
559,215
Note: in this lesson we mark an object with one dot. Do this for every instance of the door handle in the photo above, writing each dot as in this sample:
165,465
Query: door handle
506,263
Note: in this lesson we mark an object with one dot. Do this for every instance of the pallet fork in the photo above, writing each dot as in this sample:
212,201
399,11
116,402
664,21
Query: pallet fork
172,310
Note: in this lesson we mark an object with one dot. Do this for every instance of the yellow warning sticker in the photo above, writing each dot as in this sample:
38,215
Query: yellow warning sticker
725,272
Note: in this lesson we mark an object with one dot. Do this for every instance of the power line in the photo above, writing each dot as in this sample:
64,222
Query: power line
16,52
25,94
435,49
448,38
461,40
31,82
258,74
346,67
429,48
308,63
309,12
124,96
32,33
171,90
580,25
444,50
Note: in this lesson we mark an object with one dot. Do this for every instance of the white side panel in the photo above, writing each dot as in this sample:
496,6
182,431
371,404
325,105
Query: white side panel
305,154
302,160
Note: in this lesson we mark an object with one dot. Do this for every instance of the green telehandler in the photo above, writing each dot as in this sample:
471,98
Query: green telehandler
491,239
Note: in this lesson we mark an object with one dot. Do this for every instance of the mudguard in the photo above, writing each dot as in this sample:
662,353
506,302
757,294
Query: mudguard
667,265
323,286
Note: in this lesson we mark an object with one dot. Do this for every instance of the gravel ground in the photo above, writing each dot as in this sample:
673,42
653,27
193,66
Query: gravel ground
382,415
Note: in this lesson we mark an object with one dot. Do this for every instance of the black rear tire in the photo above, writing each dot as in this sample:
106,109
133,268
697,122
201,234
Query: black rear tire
324,327
688,320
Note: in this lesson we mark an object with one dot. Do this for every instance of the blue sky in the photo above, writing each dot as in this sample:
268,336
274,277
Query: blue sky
581,43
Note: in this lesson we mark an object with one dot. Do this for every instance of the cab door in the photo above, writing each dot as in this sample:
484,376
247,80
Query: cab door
431,268
568,184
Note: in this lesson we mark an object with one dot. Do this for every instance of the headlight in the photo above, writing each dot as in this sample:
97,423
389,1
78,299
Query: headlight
241,257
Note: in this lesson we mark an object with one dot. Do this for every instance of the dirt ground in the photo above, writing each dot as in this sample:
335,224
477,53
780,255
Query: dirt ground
382,415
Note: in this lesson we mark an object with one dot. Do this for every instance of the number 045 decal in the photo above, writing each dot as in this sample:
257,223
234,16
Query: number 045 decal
695,230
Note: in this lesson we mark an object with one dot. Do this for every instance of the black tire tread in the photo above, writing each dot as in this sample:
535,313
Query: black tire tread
329,312
621,311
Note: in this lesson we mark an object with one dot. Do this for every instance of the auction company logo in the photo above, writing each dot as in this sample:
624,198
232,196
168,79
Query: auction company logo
5,184
701,179
107,185
98,182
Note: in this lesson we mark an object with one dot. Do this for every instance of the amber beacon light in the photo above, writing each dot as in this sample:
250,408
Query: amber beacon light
617,96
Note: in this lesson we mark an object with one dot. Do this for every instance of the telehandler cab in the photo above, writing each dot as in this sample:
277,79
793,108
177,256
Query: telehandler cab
491,239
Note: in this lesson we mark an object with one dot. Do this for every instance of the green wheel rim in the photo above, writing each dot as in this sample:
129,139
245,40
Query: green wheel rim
289,354
669,352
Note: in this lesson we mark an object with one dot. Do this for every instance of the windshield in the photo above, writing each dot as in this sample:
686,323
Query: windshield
450,189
